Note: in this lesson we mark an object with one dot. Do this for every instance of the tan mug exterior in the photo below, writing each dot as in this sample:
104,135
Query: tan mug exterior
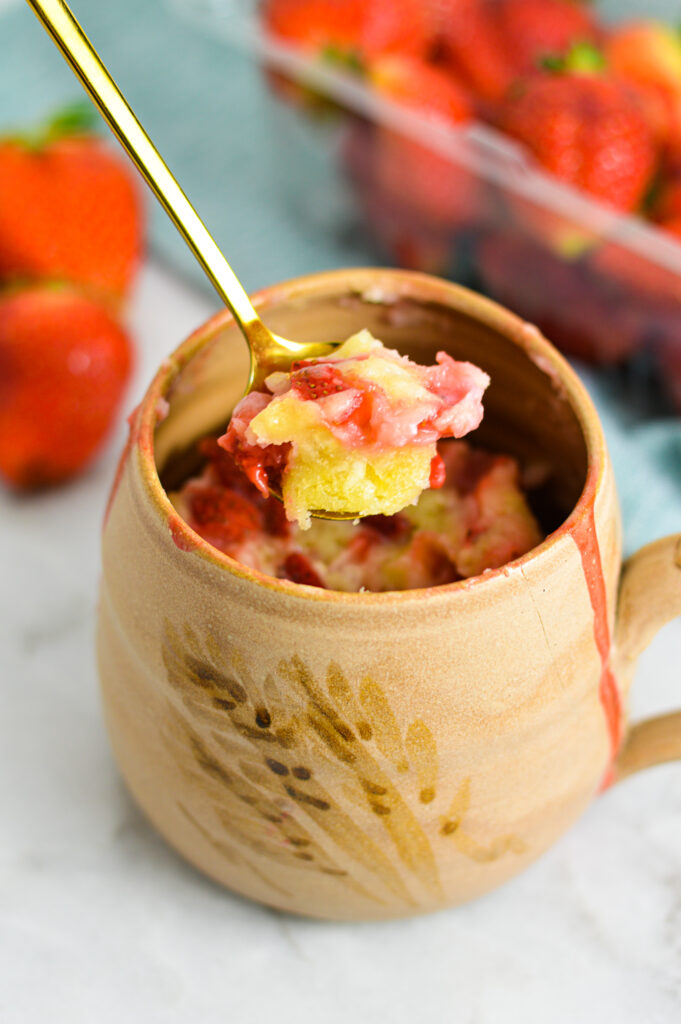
359,756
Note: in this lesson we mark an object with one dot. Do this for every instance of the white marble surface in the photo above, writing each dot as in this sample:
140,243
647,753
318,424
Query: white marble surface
101,922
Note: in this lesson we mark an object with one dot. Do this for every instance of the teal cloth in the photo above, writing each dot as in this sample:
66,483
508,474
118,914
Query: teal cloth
204,105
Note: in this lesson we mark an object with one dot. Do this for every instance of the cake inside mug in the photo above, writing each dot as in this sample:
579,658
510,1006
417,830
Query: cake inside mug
355,433
479,519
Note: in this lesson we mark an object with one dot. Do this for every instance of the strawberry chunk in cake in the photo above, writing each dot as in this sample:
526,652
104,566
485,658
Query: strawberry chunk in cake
354,433
478,520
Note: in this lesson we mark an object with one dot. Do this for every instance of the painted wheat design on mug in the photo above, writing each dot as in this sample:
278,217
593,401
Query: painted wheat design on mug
266,750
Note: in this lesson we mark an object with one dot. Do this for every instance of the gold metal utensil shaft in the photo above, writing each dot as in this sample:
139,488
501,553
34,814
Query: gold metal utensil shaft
268,351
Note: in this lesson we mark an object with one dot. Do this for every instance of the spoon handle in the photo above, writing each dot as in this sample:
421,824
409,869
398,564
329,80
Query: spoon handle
81,55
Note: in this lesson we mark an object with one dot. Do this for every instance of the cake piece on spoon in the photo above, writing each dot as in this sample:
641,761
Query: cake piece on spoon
354,434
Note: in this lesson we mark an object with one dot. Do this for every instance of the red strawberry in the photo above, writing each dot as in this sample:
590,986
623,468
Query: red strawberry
575,312
588,130
402,235
673,226
421,88
438,472
438,13
69,208
64,364
650,290
668,204
299,569
225,474
394,527
316,381
352,31
666,211
262,466
210,504
473,46
535,29
650,287
640,279
225,471
436,192
221,516
669,359
647,54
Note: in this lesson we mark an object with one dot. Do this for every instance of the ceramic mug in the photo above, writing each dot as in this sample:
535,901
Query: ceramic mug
360,756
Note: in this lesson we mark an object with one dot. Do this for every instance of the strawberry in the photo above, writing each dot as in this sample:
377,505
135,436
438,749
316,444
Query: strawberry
493,42
647,55
434,191
673,226
317,381
666,212
533,30
225,471
667,208
588,130
438,472
578,313
394,527
437,13
402,235
638,276
669,359
262,466
653,285
64,364
650,289
349,31
69,208
421,88
299,569
220,515
642,277
211,504
224,474
473,47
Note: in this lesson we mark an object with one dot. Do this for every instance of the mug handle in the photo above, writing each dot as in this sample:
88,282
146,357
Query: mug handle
649,597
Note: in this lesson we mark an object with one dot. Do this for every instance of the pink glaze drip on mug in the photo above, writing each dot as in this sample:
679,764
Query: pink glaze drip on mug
179,533
584,535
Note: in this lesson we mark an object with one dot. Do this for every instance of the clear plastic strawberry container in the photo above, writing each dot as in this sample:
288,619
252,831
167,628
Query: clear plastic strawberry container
469,204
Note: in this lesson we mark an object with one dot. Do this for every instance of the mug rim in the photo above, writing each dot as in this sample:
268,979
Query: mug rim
410,284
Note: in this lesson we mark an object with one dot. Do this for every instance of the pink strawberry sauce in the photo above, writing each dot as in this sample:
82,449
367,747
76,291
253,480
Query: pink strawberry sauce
359,412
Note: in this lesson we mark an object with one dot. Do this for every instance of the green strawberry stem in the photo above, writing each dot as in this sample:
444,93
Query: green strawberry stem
75,119
582,58
345,59
78,118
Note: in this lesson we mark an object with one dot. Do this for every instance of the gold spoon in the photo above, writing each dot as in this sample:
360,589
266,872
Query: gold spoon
269,351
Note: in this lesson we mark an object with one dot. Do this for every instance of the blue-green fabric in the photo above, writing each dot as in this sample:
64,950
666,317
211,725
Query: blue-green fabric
205,106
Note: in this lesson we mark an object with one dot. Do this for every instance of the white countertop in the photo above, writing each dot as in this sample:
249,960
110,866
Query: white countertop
101,922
